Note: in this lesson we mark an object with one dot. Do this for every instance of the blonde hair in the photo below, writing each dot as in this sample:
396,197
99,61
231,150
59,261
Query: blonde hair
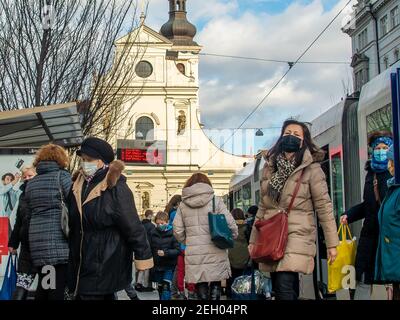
27,168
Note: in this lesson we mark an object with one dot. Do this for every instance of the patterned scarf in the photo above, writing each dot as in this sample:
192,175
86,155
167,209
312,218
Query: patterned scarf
278,179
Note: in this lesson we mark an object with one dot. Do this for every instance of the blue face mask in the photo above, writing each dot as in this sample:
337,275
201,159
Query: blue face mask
164,227
380,155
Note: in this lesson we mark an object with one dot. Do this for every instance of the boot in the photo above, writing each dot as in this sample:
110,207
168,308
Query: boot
215,291
160,289
202,290
20,294
166,291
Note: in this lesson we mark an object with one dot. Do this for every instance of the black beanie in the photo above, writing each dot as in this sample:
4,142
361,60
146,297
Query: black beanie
97,149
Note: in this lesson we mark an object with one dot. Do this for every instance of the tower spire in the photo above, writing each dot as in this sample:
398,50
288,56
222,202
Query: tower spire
178,29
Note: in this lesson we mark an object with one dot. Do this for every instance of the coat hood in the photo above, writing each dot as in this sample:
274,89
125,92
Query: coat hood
198,195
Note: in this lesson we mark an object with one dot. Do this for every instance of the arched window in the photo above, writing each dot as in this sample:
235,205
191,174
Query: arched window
144,129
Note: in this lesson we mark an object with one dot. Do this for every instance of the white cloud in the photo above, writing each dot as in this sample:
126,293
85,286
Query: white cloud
231,88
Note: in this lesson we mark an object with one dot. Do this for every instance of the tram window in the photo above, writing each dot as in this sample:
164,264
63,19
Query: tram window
257,170
246,196
380,119
337,184
325,165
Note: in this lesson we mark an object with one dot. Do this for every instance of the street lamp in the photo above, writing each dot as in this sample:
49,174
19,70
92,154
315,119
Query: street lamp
259,133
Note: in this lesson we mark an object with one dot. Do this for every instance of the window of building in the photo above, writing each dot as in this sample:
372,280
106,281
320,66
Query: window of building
384,26
386,62
363,39
394,17
144,69
337,183
144,129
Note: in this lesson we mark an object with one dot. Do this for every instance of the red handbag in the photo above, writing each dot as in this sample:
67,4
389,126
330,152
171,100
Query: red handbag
272,235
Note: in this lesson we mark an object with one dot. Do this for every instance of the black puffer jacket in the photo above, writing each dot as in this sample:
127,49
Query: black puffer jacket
368,210
149,227
105,231
20,234
164,240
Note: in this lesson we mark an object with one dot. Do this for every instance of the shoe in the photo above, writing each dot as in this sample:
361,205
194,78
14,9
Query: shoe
192,296
147,289
134,298
139,287
180,296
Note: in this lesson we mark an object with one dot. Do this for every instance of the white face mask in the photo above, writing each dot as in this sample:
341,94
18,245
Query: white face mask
89,168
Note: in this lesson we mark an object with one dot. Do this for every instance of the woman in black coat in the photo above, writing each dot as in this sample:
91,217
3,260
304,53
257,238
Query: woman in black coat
105,229
375,189
20,236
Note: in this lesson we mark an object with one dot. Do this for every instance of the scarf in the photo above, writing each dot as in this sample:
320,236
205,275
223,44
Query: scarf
278,179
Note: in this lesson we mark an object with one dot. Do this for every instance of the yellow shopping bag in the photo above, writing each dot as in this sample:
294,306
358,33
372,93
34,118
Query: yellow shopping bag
346,256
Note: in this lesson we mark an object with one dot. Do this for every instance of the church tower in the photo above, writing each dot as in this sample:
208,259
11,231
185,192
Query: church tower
166,117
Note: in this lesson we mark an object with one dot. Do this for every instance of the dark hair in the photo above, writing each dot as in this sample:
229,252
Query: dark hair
238,214
197,178
8,174
148,212
252,210
307,143
173,202
161,215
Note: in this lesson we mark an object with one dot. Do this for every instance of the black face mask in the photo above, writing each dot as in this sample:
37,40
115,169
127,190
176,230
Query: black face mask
290,143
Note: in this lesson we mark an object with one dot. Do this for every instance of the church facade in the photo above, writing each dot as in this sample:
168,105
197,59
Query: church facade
167,143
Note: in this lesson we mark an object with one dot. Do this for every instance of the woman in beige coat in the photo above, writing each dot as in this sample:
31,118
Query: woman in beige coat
293,153
205,264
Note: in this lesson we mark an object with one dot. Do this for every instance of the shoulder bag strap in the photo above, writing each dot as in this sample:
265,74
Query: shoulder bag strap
296,191
60,186
376,191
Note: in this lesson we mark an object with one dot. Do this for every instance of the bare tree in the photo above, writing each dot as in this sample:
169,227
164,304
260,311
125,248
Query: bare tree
57,51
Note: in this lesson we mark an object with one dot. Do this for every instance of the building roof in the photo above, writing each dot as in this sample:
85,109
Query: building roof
36,126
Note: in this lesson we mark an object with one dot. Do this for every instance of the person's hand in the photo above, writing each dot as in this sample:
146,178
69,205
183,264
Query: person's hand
332,254
161,253
12,250
343,219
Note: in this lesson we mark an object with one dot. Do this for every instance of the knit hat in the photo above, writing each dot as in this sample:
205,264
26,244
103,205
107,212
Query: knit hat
97,149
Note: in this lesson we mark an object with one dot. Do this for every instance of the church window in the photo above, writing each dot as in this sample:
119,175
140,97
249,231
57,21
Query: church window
144,129
144,69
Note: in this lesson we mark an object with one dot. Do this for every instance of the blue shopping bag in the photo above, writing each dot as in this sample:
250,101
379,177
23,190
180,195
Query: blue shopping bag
10,279
221,235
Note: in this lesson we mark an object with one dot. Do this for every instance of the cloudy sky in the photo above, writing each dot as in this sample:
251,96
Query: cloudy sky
270,29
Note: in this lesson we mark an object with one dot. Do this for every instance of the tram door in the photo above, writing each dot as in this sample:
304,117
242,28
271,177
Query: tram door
320,275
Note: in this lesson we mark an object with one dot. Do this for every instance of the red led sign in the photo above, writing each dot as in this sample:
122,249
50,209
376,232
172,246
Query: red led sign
149,156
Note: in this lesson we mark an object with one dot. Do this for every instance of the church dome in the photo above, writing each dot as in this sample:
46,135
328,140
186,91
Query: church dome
178,29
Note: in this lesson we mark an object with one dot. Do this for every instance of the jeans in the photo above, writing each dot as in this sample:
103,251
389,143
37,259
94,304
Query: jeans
285,285
164,280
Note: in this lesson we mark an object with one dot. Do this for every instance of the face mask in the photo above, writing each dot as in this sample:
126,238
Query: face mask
163,227
380,155
290,143
89,168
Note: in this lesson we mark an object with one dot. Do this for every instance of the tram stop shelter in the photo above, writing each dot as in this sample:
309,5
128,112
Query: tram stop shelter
34,127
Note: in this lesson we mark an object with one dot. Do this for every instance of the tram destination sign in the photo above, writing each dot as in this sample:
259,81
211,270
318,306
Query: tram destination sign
142,152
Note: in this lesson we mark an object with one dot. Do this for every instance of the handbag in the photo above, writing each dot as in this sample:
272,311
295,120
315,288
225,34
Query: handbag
10,279
221,235
64,209
272,235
